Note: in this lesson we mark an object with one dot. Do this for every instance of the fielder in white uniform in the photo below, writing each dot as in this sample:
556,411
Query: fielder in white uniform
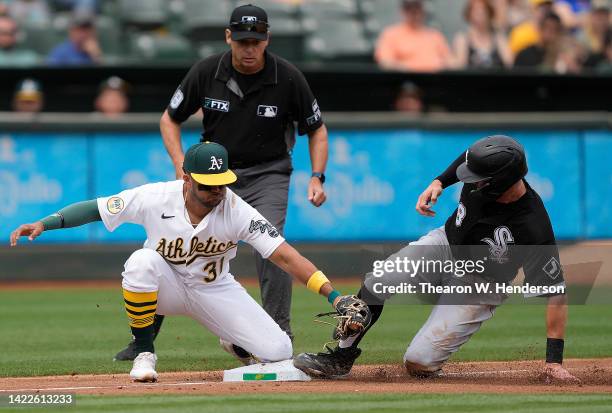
193,228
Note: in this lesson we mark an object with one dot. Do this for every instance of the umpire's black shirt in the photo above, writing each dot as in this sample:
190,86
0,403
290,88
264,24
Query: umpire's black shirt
254,125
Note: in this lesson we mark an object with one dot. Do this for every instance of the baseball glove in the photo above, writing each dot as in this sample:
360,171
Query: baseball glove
352,317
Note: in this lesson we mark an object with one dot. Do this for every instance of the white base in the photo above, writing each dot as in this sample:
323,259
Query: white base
279,371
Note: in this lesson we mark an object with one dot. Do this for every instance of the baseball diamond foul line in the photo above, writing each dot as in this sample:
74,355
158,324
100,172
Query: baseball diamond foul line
114,386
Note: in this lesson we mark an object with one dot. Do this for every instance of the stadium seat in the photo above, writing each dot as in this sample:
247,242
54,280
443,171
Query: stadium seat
338,39
59,6
109,36
274,8
41,39
205,19
143,13
206,49
448,16
328,8
69,6
287,38
109,8
161,48
380,14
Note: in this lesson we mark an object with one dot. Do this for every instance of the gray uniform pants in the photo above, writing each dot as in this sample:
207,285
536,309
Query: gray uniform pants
266,188
450,325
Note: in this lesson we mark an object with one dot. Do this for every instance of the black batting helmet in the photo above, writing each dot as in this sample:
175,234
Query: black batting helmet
496,162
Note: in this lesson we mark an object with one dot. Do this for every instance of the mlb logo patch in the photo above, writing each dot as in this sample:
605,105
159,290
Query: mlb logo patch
177,98
267,111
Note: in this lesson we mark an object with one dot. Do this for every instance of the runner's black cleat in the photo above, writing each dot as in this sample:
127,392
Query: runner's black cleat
336,362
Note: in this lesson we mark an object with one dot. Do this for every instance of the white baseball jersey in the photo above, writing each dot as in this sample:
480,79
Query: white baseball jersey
197,254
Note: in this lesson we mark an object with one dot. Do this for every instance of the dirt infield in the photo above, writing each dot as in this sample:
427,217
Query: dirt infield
470,377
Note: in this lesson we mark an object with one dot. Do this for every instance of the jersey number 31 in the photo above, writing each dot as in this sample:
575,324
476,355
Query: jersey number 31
211,270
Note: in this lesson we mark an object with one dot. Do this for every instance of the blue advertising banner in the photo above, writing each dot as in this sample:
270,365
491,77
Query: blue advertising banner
375,178
554,172
39,174
598,184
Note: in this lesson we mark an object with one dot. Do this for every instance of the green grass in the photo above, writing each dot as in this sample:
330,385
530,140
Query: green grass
337,403
79,331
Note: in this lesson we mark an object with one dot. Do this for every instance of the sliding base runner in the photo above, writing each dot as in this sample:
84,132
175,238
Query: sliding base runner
279,371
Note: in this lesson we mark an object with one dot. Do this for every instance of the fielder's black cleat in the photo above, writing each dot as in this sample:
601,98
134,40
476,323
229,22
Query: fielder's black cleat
127,354
336,362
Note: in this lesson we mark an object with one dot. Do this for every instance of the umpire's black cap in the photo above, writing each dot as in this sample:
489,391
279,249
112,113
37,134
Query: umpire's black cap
249,22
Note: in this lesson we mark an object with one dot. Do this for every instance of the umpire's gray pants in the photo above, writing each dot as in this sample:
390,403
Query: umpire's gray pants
266,188
450,325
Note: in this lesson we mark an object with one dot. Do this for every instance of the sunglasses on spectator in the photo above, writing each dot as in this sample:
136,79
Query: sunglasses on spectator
8,32
255,27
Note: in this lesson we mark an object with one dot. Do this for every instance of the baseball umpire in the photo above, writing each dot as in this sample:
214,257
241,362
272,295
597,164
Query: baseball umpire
250,99
193,226
498,213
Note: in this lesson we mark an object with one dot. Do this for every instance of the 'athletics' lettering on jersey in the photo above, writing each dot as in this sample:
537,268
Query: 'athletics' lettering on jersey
174,251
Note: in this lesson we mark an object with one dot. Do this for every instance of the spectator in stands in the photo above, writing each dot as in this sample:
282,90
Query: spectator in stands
81,47
481,46
572,12
30,12
602,61
526,34
28,97
409,99
554,51
605,65
10,53
511,13
411,45
597,27
113,100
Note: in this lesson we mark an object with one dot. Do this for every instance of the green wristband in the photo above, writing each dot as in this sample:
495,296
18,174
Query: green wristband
332,296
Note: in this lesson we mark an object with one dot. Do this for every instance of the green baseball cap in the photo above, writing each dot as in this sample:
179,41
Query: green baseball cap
207,163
